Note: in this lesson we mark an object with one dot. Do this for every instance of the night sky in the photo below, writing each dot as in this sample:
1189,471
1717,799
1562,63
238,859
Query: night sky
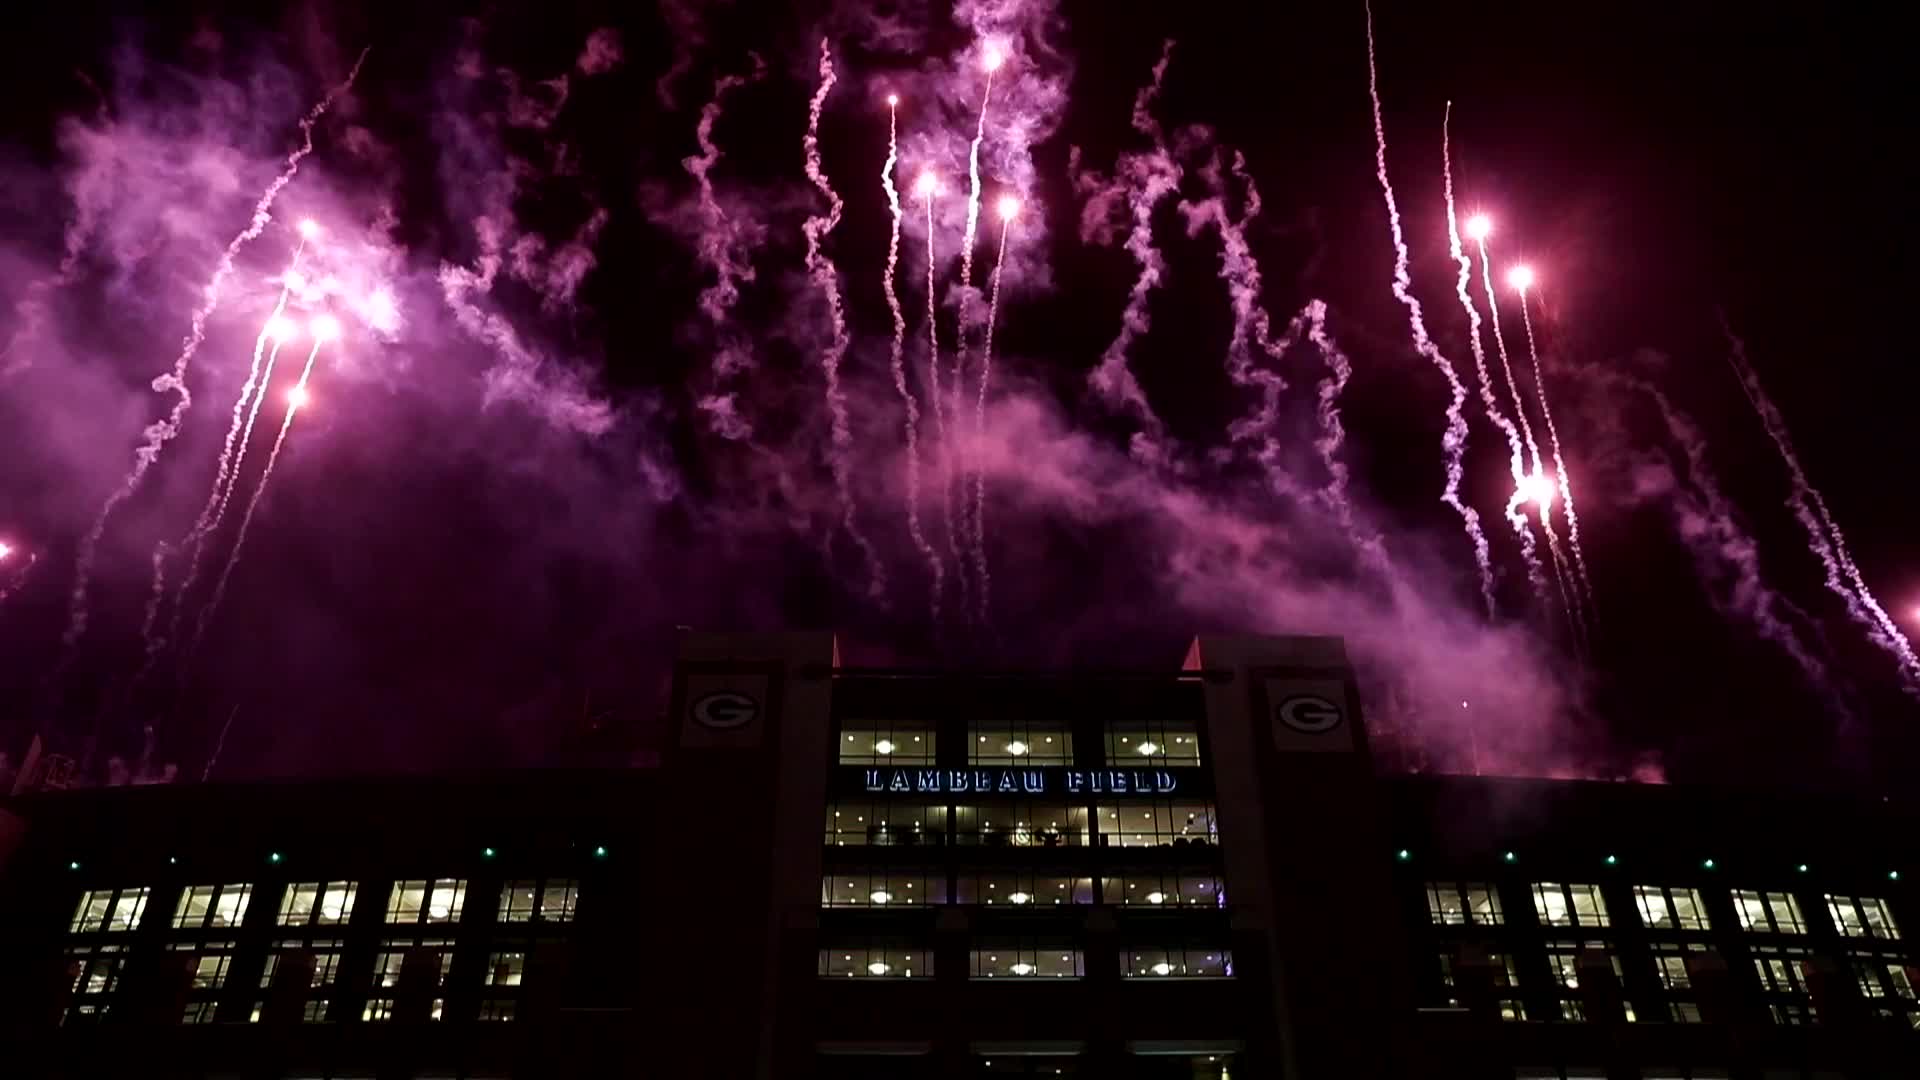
483,532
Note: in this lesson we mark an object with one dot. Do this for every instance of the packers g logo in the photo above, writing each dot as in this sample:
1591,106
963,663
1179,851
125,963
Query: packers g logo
1308,714
725,710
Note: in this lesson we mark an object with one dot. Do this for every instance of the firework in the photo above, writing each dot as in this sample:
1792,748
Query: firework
13,571
899,363
1478,226
826,279
1453,443
1824,537
929,187
158,434
1009,208
720,250
1522,280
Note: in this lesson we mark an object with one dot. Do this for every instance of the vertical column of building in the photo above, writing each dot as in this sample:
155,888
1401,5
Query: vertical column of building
1309,880
739,847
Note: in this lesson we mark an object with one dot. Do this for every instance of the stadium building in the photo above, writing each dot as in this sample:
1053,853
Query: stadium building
858,874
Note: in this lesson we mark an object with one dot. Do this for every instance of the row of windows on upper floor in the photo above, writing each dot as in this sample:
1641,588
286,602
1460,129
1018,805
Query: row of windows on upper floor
1780,976
895,887
1659,907
1023,823
1025,960
323,903
911,741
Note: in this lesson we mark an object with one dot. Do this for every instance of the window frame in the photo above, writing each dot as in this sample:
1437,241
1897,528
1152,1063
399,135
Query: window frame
1464,892
1768,905
423,914
1567,891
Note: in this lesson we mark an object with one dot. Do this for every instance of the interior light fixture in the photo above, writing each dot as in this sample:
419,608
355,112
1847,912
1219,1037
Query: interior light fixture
880,896
1148,747
1162,968
1156,898
878,967
884,746
1016,748
1022,968
1018,898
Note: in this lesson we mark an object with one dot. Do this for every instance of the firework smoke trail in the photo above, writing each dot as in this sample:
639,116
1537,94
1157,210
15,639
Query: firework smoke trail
899,362
158,434
226,475
929,187
1708,523
1517,465
826,276
1154,175
1009,209
295,397
1559,463
1810,507
1454,442
18,577
1333,435
992,63
720,251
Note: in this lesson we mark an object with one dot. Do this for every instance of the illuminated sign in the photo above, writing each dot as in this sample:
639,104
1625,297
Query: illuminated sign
911,781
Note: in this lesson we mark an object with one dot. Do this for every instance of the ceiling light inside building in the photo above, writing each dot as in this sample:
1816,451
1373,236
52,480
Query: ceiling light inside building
884,746
1019,897
880,896
1162,968
1022,968
1156,898
1016,748
1148,747
878,967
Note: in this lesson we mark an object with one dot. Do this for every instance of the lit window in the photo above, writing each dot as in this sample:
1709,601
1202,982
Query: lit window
886,742
859,824
209,967
1154,823
1019,742
386,974
1449,904
1773,912
1563,964
872,961
1670,909
111,910
1164,741
497,1009
506,968
1569,905
1022,888
1022,823
96,975
212,906
1862,916
1027,960
326,967
1506,983
1164,888
426,901
326,903
883,888
550,901
1783,979
1178,962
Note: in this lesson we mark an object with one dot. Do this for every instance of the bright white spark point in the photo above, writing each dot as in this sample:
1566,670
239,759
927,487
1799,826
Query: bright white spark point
1521,278
5,550
1479,227
1009,207
280,328
325,328
893,99
295,281
298,397
1536,488
878,967
383,312
309,228
993,59
928,184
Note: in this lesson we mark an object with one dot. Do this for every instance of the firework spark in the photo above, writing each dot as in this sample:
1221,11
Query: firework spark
158,434
1478,226
1009,208
720,248
1824,537
1454,442
323,329
899,363
1522,280
826,278
929,187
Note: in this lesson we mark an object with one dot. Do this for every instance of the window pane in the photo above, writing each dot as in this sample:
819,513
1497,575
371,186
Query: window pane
1689,911
1589,907
1159,741
1753,911
91,913
1023,888
516,901
1157,824
1164,888
127,911
1483,905
1190,962
506,968
1879,919
556,903
195,902
887,742
898,823
336,902
1652,902
230,906
1550,903
876,962
1445,907
1026,962
883,888
446,900
407,900
1021,823
1786,913
297,906
1020,742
